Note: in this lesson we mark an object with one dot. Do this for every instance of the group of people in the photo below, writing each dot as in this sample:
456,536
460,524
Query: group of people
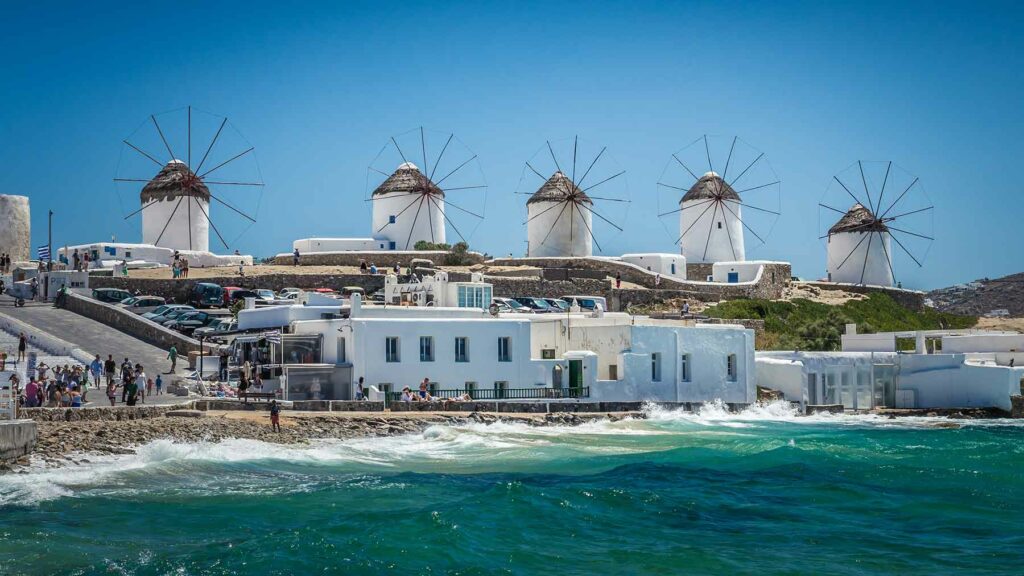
79,262
5,263
423,394
130,378
62,387
179,267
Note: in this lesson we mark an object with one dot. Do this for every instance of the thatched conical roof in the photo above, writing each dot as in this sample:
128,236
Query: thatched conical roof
174,181
557,189
709,186
408,179
858,219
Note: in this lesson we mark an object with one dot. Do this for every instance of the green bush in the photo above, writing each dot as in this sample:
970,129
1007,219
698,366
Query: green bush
806,325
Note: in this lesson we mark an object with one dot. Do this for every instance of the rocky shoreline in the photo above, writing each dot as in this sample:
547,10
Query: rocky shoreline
73,442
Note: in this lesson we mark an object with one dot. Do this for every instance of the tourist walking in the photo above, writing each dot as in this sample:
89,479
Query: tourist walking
295,257
159,385
96,370
275,415
172,355
618,280
132,391
140,383
22,345
657,280
110,368
360,392
112,392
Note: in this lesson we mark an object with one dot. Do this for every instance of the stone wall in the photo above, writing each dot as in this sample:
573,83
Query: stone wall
98,414
699,272
131,323
774,278
178,290
17,439
383,259
511,287
911,299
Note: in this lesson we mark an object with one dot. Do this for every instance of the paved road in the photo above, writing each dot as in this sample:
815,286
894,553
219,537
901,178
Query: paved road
93,337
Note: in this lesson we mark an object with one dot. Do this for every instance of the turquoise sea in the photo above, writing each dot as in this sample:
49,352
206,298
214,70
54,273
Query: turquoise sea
762,492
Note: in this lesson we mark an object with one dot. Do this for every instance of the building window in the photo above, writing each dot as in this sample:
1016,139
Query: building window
341,351
391,219
462,349
655,367
547,354
684,368
474,296
500,388
391,350
504,349
731,367
426,348
613,372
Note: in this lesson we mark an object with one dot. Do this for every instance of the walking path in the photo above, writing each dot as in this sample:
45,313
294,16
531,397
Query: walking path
93,337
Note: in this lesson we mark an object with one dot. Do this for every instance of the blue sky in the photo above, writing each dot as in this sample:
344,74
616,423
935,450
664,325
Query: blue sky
319,89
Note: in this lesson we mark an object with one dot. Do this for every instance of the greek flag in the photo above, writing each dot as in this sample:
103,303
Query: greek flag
44,252
272,337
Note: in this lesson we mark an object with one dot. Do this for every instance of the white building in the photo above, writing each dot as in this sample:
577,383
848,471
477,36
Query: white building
710,226
559,222
437,290
860,249
924,369
586,356
668,265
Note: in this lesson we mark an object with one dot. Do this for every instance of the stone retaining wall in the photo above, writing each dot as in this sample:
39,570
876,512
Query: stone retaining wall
1017,406
98,414
131,323
17,439
911,299
383,259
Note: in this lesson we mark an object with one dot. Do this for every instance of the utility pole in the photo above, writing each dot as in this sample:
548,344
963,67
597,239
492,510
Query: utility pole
49,243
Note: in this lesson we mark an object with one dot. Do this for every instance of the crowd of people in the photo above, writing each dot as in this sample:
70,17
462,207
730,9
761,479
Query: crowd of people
130,378
179,267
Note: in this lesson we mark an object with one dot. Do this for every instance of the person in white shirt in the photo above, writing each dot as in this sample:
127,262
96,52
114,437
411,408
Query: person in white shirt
140,381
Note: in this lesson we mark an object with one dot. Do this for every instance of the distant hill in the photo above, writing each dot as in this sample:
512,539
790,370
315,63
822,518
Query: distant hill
983,296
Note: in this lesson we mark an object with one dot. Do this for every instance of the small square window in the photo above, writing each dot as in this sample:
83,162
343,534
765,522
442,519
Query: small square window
392,219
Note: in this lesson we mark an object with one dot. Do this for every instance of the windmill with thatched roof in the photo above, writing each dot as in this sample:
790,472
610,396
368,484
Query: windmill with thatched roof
410,205
560,214
715,212
860,243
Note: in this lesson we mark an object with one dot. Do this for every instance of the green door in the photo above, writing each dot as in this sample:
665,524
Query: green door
575,377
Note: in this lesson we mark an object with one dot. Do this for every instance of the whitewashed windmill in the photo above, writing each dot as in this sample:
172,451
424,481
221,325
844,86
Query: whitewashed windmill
560,214
713,212
860,244
176,202
410,206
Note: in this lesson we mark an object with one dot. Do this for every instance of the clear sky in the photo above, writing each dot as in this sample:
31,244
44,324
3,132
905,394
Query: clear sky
318,89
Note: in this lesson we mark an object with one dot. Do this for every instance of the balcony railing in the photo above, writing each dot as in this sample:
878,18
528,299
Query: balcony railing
505,394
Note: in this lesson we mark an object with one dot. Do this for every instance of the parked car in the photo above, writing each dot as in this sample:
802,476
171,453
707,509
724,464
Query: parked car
586,302
238,294
189,321
143,302
289,293
172,315
110,295
557,304
348,291
206,295
161,310
538,305
219,326
266,295
512,305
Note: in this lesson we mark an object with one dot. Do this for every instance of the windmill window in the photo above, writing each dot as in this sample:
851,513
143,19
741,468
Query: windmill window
719,224
391,219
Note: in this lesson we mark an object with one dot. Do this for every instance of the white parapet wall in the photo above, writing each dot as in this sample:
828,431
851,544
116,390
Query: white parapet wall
315,245
668,265
107,255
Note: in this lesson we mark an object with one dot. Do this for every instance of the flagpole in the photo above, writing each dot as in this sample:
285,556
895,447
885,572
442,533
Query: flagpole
49,243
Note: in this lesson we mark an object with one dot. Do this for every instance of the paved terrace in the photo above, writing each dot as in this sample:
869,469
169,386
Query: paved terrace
93,337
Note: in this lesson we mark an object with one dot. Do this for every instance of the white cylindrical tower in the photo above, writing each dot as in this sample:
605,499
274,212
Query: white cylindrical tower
15,230
860,249
408,207
559,222
710,223
177,208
